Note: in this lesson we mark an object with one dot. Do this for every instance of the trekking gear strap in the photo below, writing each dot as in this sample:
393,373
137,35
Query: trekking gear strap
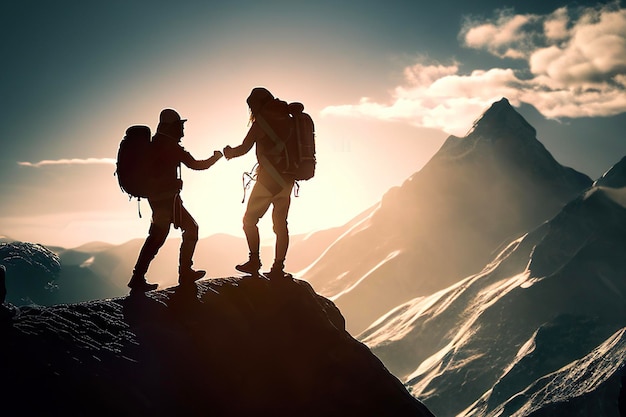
130,197
296,189
248,178
177,211
279,146
267,165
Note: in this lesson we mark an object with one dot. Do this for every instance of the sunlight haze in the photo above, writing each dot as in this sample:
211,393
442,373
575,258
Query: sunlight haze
384,83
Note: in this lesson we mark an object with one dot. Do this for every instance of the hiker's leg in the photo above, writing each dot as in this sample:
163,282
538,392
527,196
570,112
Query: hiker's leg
189,228
281,203
259,202
159,229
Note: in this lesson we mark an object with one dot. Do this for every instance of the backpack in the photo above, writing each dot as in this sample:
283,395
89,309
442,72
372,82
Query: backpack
300,146
135,162
297,151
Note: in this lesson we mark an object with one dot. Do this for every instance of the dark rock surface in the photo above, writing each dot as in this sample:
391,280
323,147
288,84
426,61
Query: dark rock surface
224,347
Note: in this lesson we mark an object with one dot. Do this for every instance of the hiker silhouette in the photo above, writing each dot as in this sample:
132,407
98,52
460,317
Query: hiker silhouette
272,187
166,204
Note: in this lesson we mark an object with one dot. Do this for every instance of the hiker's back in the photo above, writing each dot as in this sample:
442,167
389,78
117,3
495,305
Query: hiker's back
289,140
276,115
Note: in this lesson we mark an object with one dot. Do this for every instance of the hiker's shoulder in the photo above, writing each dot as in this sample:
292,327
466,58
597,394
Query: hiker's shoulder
276,109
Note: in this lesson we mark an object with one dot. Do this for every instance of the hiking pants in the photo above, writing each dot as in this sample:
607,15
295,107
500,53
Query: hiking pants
258,204
164,213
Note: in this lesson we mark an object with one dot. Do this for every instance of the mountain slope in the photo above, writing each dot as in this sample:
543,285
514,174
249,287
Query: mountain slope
447,220
614,177
226,347
540,331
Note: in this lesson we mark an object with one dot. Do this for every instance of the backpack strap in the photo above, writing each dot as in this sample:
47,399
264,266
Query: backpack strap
269,131
267,165
279,146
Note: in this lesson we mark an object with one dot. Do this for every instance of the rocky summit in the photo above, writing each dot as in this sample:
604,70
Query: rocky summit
220,347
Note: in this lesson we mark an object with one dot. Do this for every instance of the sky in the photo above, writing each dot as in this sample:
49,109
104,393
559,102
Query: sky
385,82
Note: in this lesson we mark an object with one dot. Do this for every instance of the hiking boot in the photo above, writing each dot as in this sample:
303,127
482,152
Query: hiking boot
277,274
138,284
141,286
251,267
187,276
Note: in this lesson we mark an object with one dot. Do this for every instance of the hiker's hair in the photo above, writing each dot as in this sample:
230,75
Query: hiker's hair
251,118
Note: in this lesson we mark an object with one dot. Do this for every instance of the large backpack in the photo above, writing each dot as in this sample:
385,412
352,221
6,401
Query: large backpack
297,151
301,144
135,162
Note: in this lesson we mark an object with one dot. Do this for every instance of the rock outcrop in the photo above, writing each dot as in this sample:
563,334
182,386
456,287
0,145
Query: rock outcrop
224,347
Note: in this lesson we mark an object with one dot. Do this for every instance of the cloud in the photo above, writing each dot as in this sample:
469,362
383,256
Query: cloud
509,36
570,63
438,97
594,53
73,161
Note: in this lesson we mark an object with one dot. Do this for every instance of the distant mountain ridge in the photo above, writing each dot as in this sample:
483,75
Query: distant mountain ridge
98,270
448,219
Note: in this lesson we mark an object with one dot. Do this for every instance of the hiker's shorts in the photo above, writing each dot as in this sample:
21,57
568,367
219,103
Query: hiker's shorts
258,204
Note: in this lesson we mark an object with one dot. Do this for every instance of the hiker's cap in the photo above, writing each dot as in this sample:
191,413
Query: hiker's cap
169,116
258,97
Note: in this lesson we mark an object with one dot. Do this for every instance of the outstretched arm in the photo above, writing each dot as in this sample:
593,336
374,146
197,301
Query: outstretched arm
193,163
253,134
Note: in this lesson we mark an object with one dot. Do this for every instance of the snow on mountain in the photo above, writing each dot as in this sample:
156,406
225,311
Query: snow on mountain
539,331
447,220
614,177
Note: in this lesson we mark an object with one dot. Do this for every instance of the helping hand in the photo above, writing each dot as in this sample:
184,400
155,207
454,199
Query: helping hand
228,152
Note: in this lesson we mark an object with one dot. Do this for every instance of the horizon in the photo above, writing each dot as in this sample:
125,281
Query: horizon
385,85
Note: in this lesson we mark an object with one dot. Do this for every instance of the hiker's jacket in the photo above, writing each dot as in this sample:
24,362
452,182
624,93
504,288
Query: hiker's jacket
278,119
169,155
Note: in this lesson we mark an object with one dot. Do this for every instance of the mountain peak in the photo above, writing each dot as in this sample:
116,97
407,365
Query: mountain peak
614,177
499,118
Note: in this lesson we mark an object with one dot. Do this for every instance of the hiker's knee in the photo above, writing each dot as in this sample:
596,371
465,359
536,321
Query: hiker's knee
280,227
158,233
250,222
191,231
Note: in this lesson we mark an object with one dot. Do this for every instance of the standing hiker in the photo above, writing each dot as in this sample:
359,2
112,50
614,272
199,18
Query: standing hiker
166,204
272,187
